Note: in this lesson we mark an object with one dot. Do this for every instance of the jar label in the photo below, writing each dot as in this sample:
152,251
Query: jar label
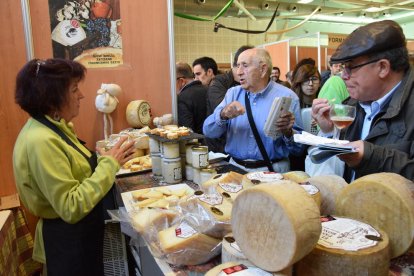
203,160
177,174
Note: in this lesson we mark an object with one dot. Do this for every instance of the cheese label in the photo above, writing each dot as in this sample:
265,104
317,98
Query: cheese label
265,176
241,269
211,199
231,187
310,189
347,234
184,231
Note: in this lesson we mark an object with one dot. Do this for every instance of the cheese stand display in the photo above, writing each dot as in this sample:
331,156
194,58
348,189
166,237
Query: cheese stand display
275,225
385,201
244,269
347,247
329,186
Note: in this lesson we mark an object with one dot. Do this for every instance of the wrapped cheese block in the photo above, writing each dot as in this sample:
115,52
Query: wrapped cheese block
231,252
244,268
208,213
296,176
347,247
185,246
275,225
145,218
385,201
329,186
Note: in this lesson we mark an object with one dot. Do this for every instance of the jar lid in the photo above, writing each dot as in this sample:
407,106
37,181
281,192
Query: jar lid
209,170
201,148
171,160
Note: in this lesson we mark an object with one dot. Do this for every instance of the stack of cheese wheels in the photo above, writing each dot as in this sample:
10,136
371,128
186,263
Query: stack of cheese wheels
372,260
329,186
138,113
296,176
244,268
183,245
385,201
275,225
231,252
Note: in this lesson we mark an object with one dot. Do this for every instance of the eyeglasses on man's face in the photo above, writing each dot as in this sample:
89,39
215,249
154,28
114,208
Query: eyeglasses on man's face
311,80
347,72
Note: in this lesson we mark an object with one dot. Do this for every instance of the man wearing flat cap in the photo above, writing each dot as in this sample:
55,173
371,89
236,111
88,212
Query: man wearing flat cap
380,83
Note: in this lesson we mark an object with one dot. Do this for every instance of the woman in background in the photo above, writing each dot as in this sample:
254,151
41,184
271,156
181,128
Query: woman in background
306,84
58,178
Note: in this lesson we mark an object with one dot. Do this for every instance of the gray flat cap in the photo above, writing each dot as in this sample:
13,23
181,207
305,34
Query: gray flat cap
372,38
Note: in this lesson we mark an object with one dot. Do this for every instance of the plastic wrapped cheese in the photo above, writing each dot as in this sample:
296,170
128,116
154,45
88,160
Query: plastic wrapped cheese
329,186
346,249
244,268
385,201
183,245
145,218
275,225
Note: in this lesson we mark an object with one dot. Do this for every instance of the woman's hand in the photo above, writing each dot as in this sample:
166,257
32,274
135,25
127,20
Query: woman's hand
320,113
121,152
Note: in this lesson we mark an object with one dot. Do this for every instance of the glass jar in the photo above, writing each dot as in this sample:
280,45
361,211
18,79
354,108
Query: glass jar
156,164
189,172
200,157
170,150
171,170
196,175
189,152
154,145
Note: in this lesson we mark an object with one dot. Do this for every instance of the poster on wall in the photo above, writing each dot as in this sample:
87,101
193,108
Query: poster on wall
87,31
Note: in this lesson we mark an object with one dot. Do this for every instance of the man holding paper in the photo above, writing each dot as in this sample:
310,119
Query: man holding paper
254,68
379,79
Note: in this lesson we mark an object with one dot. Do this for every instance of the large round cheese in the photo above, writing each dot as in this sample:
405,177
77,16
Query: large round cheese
323,261
385,201
244,268
329,186
275,225
138,113
296,176
256,178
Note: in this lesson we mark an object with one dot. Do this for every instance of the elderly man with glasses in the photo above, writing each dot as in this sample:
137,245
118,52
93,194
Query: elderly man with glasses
379,79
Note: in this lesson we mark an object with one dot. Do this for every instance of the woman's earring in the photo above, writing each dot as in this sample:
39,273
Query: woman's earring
56,116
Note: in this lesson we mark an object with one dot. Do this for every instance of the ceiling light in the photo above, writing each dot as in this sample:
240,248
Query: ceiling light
305,1
373,9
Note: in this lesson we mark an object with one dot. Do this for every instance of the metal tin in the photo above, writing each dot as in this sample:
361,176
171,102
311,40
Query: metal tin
171,170
170,150
200,157
206,174
154,145
156,164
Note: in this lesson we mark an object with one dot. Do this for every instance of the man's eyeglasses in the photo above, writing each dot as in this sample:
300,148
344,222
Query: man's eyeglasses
348,69
312,80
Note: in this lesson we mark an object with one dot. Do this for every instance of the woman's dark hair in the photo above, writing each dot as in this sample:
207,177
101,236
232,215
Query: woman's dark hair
303,73
42,85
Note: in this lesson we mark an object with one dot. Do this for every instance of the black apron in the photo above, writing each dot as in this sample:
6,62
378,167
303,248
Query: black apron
74,249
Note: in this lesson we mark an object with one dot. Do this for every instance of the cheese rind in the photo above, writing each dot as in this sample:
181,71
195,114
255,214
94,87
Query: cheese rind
385,201
231,252
296,176
322,261
329,187
275,225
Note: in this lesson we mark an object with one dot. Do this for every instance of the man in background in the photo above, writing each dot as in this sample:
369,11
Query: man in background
205,69
191,100
275,75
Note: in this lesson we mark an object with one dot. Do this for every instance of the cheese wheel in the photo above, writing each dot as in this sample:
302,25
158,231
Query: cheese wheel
231,252
185,246
323,261
230,177
255,178
329,186
385,201
244,268
296,176
314,192
275,225
138,113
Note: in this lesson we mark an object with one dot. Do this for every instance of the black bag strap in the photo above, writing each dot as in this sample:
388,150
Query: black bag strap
256,134
53,127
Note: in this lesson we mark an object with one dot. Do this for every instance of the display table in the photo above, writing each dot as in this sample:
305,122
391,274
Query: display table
16,245
401,266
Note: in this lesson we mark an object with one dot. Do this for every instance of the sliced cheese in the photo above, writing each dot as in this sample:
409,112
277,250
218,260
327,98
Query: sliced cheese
275,225
165,190
145,202
185,246
160,203
145,218
296,176
329,186
385,201
323,261
244,268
